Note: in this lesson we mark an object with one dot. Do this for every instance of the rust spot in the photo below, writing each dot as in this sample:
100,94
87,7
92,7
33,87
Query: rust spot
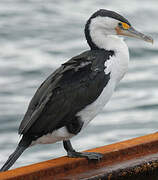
124,173
138,169
109,176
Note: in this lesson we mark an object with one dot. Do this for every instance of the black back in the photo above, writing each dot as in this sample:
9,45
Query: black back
73,86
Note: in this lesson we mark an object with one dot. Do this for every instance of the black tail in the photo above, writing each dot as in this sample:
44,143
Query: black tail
24,144
12,158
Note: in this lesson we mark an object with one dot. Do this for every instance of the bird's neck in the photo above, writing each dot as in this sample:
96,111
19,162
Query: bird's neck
99,38
118,63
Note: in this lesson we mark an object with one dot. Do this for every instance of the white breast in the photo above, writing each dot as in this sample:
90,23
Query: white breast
117,66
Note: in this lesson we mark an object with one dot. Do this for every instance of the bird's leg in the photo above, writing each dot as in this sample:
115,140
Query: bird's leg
73,154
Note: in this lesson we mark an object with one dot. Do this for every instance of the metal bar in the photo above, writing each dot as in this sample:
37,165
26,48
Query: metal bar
131,159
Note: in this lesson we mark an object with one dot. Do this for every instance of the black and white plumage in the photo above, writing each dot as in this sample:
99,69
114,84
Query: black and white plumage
76,92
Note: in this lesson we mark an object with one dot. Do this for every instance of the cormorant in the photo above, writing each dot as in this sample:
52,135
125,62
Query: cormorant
76,92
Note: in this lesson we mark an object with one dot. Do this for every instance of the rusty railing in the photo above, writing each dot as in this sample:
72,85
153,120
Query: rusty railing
135,159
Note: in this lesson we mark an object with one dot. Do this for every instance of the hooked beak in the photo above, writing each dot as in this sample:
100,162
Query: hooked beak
134,33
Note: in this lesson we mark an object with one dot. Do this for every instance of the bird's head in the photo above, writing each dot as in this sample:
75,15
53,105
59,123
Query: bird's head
106,23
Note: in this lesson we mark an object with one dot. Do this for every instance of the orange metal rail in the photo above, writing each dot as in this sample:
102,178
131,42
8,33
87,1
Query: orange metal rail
132,159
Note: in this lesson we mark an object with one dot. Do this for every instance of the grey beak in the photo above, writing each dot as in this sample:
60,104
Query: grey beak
134,33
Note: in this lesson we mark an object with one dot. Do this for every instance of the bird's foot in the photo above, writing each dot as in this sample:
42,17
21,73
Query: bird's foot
88,155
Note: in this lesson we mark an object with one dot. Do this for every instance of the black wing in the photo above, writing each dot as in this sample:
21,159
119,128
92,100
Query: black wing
77,83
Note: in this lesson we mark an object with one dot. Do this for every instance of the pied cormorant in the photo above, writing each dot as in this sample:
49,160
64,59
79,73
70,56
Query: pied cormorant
76,92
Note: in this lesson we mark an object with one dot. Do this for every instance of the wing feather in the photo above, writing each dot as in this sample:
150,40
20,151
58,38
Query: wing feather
69,89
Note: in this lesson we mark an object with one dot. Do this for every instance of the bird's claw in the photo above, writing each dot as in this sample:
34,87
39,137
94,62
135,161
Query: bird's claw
88,155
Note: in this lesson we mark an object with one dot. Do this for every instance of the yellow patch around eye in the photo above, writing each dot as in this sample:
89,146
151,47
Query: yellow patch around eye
125,26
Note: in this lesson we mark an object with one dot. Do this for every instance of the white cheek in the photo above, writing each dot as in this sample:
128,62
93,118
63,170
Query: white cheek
105,25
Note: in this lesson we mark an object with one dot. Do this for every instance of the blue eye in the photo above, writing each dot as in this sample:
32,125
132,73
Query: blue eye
120,24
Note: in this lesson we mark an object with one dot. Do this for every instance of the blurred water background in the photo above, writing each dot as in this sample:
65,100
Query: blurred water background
37,36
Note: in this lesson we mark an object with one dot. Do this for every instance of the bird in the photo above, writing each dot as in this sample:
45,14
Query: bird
67,101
